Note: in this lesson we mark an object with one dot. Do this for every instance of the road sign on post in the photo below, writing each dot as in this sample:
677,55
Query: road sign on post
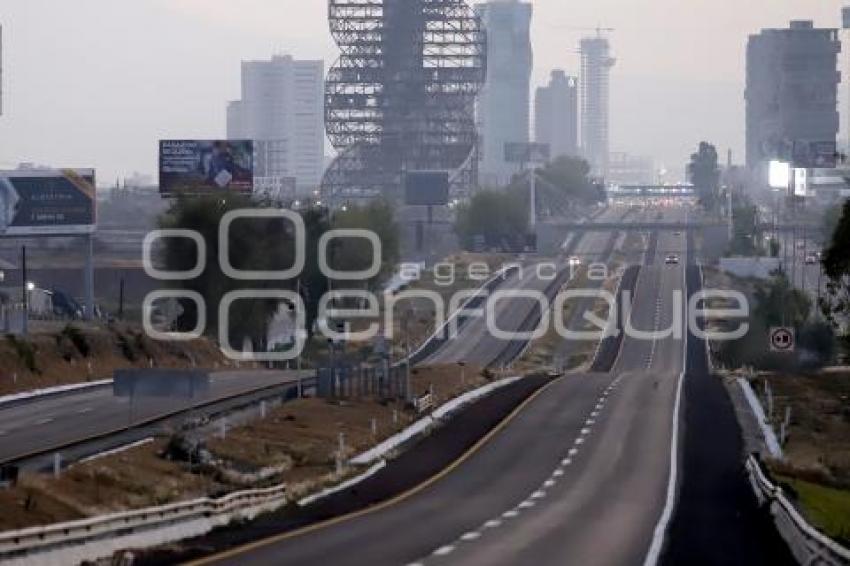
782,340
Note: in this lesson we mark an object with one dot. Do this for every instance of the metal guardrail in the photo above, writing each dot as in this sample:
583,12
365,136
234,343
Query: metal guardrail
29,541
809,546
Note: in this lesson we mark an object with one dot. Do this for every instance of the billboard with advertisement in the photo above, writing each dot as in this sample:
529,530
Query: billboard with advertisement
45,202
206,166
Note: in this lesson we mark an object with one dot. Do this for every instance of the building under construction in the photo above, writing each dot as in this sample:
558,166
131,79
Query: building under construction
401,97
596,64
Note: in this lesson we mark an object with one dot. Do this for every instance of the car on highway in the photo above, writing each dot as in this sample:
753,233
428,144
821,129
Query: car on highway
672,259
811,259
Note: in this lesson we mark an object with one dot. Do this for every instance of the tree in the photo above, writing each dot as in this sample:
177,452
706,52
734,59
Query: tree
746,228
258,245
355,254
836,265
561,184
500,217
704,173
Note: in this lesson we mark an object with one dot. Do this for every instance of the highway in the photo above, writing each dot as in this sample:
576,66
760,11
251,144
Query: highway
56,421
475,345
580,475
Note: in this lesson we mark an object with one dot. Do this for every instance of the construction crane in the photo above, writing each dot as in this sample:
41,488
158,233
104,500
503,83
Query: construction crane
597,29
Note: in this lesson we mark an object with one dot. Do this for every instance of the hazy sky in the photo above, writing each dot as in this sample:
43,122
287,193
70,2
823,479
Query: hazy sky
95,83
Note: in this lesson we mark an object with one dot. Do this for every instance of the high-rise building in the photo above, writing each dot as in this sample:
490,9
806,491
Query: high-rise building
282,110
504,106
556,114
792,91
595,80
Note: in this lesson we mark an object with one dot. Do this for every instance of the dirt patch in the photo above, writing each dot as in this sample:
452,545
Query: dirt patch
818,447
61,354
299,441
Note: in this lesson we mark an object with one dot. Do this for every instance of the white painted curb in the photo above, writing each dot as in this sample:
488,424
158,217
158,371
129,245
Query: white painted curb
419,427
770,439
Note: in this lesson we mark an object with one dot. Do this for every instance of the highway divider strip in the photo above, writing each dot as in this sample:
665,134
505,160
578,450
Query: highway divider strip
377,467
424,424
388,503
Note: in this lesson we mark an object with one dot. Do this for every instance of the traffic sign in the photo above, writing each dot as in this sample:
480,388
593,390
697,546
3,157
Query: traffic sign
782,339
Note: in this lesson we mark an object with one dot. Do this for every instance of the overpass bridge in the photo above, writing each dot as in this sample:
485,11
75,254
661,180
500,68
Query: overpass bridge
652,191
635,226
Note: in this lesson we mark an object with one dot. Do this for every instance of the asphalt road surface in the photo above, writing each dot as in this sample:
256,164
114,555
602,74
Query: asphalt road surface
579,476
475,344
42,424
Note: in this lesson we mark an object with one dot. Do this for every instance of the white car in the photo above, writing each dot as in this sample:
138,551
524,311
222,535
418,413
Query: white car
672,259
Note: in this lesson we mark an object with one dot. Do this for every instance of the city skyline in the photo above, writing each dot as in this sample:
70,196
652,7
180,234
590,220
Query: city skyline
137,84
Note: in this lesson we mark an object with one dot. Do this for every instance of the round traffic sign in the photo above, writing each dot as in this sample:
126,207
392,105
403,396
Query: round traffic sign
782,339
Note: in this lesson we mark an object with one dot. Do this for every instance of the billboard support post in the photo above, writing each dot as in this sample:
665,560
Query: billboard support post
88,277
533,206
24,291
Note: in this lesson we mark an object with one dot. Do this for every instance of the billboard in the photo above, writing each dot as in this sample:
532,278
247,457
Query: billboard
206,166
527,152
45,202
426,188
779,175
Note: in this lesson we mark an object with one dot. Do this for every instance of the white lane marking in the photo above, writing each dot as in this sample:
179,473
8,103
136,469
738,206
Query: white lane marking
444,550
579,441
590,422
510,514
558,473
492,524
44,421
470,536
594,414
573,451
526,505
585,431
538,495
661,528
549,483
657,545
